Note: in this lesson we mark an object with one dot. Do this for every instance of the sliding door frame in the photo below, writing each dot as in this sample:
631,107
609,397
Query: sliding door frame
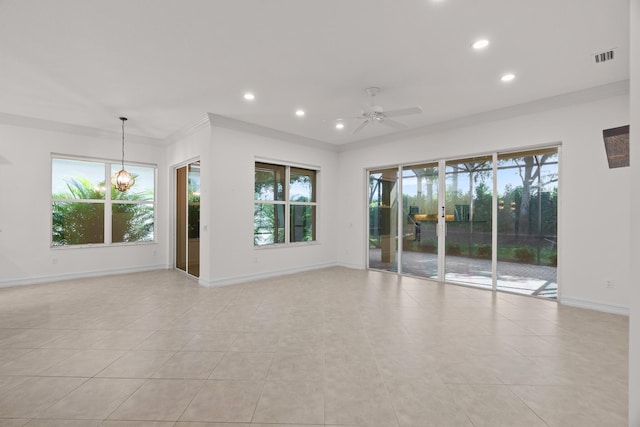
441,227
173,216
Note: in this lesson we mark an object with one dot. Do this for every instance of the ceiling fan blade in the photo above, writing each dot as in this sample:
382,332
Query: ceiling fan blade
359,128
394,124
403,112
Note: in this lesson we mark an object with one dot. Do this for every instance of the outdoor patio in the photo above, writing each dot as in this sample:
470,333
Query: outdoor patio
522,278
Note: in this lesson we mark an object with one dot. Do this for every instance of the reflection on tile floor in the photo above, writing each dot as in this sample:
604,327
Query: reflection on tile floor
333,347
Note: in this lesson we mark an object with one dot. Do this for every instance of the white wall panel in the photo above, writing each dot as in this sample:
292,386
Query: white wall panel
233,256
594,213
25,213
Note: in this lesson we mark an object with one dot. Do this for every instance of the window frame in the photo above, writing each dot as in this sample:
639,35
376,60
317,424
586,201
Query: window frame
287,203
107,202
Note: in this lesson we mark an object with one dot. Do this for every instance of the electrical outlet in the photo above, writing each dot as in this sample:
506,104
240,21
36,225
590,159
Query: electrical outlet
608,283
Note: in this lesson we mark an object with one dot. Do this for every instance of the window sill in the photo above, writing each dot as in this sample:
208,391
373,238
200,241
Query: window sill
101,245
286,245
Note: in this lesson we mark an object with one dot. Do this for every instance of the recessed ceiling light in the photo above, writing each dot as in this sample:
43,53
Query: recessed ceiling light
300,113
480,44
508,77
339,125
249,96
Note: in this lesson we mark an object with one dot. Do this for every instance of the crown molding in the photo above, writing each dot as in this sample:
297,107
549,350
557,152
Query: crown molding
53,126
596,93
239,125
187,131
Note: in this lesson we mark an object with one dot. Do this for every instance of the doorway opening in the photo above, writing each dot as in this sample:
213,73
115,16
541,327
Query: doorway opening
187,251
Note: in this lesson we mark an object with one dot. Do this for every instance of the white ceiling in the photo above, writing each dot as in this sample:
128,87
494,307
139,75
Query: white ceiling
165,63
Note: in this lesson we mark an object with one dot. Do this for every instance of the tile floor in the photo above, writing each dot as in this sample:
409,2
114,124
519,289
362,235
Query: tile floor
333,347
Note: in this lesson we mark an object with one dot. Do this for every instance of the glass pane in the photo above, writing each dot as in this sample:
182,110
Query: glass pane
77,223
194,219
77,179
420,220
132,222
303,221
527,223
383,219
269,182
302,185
143,189
468,216
268,224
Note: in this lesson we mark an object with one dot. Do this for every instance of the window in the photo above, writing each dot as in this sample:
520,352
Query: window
285,204
84,212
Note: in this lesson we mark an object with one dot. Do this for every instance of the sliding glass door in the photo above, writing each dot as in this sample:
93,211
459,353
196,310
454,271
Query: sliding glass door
527,222
383,219
420,220
488,221
188,219
468,219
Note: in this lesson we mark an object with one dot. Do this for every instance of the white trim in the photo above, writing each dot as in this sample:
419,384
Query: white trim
350,265
594,305
259,276
239,125
187,131
62,156
279,162
609,90
53,126
81,275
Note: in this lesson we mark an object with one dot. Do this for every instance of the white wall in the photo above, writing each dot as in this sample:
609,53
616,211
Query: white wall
594,222
594,217
25,213
634,267
233,256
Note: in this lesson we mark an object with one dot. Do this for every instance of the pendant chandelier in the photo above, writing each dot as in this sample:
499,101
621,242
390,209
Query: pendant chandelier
122,180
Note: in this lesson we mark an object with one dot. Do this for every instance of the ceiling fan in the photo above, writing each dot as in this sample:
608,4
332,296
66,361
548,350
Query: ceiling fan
375,113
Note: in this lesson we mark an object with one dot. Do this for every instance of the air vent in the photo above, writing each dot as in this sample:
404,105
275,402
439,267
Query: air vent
604,56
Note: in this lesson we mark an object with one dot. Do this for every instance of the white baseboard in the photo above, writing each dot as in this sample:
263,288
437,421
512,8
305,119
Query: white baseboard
71,276
259,276
351,266
595,305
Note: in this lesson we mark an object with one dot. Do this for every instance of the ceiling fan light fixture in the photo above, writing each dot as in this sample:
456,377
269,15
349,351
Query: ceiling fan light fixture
339,125
376,114
122,180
